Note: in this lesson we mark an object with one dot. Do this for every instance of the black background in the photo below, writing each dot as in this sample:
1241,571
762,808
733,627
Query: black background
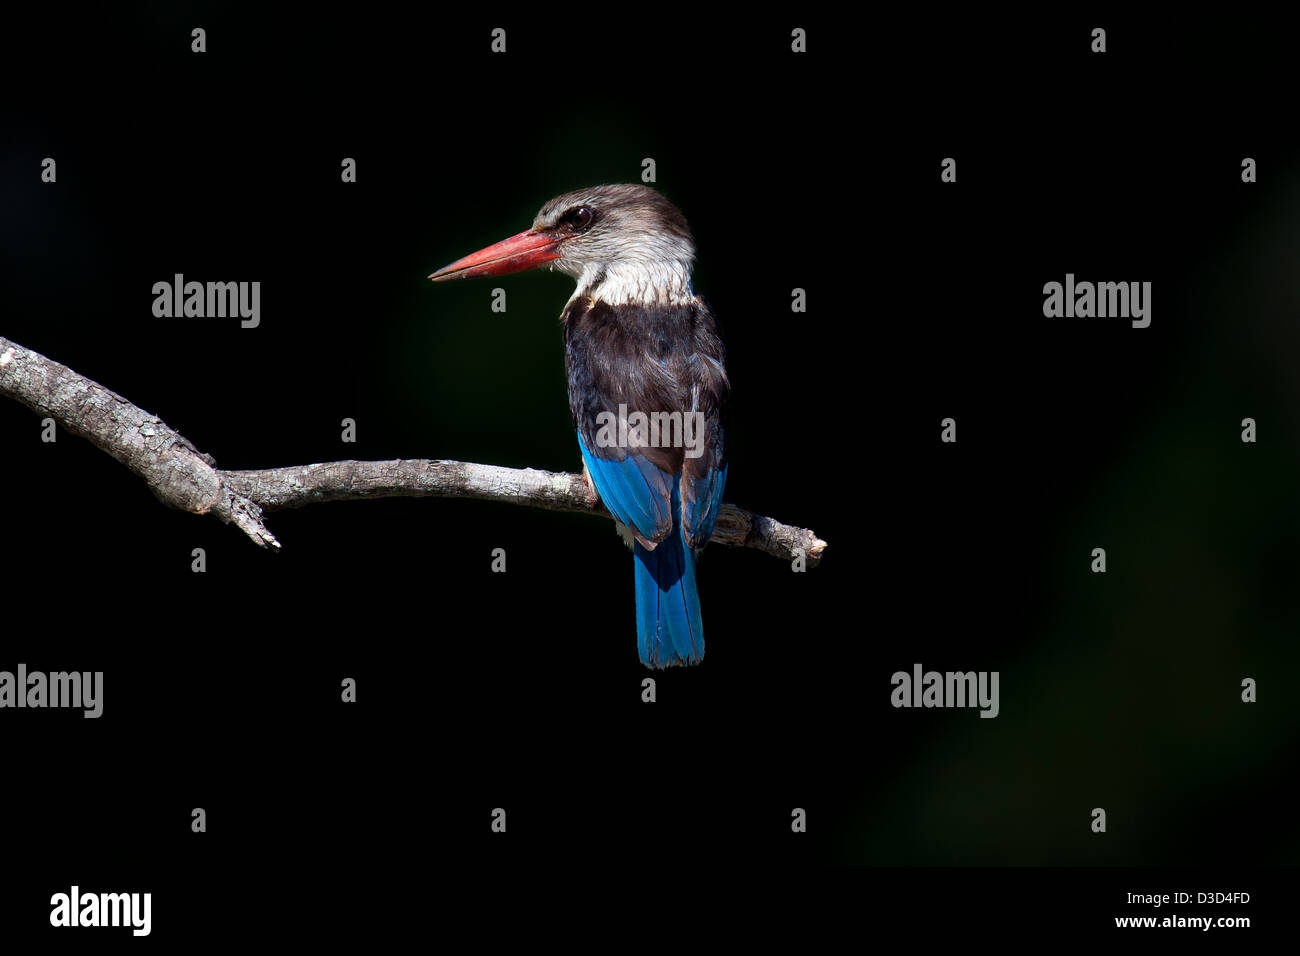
522,690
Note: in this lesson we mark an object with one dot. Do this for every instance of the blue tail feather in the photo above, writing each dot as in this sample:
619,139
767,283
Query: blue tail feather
669,630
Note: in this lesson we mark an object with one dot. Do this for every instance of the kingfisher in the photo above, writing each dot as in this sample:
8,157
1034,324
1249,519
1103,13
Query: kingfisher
648,387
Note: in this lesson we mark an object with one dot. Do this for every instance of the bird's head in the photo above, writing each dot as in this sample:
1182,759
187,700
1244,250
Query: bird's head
622,243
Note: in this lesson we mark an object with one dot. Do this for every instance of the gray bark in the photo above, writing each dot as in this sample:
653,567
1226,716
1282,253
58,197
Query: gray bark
185,478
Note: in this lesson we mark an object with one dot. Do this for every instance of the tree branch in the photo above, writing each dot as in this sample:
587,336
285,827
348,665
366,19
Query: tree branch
183,477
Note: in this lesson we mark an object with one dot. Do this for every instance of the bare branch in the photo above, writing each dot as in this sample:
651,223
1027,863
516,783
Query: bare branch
182,477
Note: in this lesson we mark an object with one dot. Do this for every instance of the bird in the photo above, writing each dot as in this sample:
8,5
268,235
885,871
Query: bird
640,347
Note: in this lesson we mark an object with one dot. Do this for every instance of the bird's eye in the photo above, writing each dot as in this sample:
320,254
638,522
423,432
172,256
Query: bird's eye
578,218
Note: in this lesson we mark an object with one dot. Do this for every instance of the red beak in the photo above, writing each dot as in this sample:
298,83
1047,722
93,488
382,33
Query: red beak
528,250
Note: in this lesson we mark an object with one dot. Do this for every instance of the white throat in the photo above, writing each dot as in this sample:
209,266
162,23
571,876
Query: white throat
657,282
